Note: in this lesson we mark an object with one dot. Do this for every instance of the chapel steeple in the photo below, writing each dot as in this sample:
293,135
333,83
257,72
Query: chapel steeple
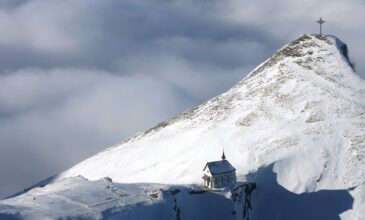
223,156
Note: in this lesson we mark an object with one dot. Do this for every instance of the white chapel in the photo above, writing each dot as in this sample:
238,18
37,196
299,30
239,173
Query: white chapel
219,174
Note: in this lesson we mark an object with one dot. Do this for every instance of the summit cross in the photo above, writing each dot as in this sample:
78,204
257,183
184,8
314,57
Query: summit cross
320,22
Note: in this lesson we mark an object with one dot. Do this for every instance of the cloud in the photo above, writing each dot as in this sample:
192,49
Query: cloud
78,76
95,33
50,119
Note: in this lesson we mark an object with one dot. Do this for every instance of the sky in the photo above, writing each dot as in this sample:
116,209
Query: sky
78,76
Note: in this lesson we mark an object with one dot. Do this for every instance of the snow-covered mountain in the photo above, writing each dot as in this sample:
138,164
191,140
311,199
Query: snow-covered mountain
295,125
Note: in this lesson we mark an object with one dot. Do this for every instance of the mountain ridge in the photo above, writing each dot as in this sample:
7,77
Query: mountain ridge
283,51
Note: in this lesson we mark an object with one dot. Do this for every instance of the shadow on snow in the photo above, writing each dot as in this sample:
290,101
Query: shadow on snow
272,201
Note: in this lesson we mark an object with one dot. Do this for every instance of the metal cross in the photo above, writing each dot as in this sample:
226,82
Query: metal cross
320,22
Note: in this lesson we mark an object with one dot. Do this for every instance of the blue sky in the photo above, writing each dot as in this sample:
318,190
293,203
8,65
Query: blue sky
78,76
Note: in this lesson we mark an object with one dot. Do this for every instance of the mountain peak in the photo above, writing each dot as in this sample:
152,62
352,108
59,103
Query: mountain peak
306,50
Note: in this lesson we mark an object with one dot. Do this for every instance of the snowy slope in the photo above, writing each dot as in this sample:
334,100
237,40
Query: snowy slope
79,198
301,111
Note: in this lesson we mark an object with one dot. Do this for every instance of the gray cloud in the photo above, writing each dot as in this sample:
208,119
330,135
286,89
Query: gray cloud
8,4
93,33
50,119
77,76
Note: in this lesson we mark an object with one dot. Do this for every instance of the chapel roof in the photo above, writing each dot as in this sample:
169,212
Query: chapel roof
219,167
